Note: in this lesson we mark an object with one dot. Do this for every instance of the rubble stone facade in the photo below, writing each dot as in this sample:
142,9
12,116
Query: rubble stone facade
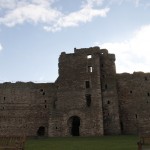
88,99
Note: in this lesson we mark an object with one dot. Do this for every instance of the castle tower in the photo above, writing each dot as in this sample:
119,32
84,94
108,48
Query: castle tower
80,103
109,93
78,108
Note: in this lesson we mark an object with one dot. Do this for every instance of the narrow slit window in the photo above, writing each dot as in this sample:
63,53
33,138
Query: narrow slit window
148,94
90,69
88,100
105,86
89,56
145,78
108,102
131,92
41,90
136,116
87,84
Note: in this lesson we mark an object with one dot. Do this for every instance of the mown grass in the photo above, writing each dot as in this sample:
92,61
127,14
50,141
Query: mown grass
122,142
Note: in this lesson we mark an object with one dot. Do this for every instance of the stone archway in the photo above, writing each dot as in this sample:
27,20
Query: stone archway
74,125
41,131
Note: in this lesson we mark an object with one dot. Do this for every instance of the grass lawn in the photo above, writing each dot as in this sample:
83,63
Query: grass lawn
122,142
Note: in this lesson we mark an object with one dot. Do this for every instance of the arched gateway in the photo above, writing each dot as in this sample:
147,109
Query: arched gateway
74,125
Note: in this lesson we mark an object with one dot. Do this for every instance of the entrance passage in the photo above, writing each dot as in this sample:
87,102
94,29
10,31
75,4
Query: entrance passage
41,131
75,124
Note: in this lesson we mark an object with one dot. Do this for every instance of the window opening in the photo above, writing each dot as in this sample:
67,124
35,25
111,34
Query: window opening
136,116
89,56
41,131
90,69
88,100
55,103
145,78
87,84
130,91
121,125
74,122
45,106
43,93
4,98
148,94
108,102
105,86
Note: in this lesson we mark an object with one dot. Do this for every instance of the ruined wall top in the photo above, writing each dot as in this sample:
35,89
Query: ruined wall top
90,50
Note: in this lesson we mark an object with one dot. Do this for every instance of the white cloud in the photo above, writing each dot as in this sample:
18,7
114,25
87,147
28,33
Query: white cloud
133,54
36,11
41,11
73,19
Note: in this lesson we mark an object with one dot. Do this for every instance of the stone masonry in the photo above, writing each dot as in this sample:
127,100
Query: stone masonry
88,99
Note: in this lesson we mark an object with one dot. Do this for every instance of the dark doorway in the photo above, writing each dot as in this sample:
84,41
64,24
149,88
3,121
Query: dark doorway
41,131
75,124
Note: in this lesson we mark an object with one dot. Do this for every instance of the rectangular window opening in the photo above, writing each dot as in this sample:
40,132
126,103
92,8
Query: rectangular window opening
90,69
87,84
88,100
89,56
145,78
136,116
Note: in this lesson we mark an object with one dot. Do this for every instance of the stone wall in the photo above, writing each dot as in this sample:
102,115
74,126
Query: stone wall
134,102
24,108
87,99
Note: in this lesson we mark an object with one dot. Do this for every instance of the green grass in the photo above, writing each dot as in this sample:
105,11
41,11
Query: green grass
122,142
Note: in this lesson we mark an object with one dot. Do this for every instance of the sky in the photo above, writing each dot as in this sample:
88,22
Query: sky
33,33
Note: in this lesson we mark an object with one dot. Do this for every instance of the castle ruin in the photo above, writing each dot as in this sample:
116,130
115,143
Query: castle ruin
88,99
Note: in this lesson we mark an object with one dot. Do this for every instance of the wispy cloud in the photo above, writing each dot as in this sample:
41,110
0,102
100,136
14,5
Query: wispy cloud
42,11
133,54
84,15
36,12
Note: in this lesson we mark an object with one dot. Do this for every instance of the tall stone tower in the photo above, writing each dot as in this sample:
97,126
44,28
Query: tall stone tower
81,105
109,93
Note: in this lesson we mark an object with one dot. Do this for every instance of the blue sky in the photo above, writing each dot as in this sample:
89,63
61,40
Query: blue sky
33,33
